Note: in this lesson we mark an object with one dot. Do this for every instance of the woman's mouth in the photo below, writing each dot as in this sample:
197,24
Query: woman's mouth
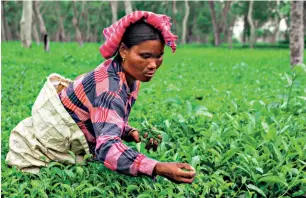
149,74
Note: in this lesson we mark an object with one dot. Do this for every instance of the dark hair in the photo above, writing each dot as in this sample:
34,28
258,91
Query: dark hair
138,32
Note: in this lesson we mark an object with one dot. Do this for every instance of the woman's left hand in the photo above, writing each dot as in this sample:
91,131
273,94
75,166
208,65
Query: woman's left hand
151,143
133,136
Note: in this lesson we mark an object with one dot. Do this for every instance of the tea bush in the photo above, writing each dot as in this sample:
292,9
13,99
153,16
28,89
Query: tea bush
238,116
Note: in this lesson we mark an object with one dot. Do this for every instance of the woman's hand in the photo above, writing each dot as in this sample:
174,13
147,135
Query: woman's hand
133,136
151,143
174,172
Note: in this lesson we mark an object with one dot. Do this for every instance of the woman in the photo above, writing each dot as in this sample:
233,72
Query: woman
100,101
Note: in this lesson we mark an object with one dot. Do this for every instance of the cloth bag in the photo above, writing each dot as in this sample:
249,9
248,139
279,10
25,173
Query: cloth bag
49,134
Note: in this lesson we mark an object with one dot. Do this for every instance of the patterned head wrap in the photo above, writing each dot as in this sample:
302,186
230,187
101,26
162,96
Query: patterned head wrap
113,34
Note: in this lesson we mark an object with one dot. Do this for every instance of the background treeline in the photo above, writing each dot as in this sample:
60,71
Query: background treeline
193,21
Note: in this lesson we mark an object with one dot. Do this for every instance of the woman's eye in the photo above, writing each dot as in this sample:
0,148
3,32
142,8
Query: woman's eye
145,56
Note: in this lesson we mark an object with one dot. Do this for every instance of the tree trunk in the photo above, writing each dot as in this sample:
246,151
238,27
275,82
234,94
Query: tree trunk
15,29
4,24
35,32
68,37
185,22
57,35
229,38
82,16
214,22
88,33
3,30
62,30
277,18
250,20
194,30
304,18
296,33
78,35
174,12
230,33
61,24
245,27
95,35
275,31
26,24
128,7
42,27
223,24
114,6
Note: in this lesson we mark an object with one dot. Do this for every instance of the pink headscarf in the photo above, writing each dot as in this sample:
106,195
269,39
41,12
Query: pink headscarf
113,34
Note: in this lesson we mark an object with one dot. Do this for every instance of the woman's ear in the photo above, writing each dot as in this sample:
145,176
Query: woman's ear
123,50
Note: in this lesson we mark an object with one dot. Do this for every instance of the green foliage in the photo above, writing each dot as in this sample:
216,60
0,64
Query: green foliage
263,12
94,16
237,116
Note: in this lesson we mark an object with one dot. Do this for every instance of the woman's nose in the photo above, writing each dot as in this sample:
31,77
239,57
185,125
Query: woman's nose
152,64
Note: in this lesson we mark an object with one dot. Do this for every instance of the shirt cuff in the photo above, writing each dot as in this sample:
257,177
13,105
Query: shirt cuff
147,166
127,130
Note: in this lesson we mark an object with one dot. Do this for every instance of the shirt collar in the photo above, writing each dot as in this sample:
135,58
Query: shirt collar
123,82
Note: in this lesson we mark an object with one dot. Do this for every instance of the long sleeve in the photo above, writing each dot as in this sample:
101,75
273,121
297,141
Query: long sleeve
127,130
107,116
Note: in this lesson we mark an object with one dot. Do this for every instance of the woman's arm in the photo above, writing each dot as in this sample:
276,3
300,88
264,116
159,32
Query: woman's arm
108,123
126,135
174,171
107,115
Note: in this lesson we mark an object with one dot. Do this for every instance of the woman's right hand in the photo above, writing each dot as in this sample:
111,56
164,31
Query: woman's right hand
174,171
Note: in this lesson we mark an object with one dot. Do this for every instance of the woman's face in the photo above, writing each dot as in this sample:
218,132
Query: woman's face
142,60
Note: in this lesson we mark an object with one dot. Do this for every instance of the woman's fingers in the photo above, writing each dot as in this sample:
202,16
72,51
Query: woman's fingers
135,136
155,145
186,174
185,166
152,142
173,172
149,144
190,173
160,137
186,180
145,135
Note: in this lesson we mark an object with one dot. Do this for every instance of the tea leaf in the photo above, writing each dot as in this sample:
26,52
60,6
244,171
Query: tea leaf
251,186
195,161
131,188
273,179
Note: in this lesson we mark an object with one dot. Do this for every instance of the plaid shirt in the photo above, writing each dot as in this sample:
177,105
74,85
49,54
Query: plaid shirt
100,102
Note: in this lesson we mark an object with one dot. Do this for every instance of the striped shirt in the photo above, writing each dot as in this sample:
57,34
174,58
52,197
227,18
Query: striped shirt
100,103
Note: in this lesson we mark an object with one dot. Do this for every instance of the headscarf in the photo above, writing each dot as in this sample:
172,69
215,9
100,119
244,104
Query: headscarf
113,34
